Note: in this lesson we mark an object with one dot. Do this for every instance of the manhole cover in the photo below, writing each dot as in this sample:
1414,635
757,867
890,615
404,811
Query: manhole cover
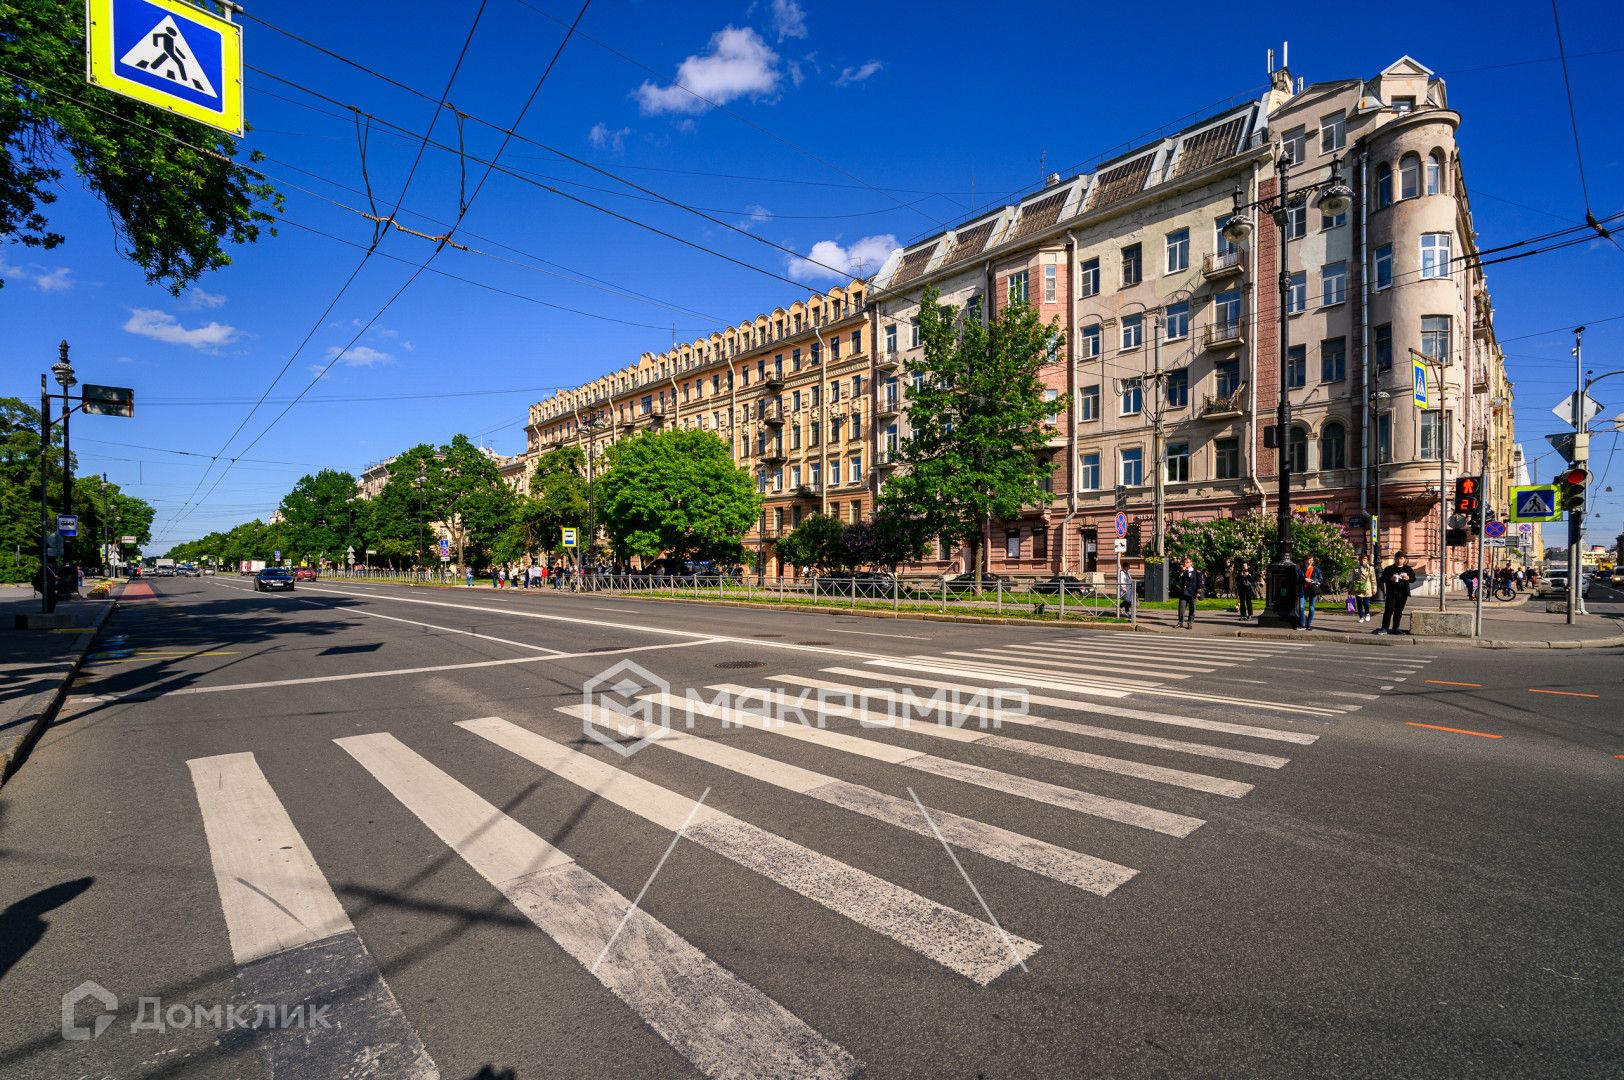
812,643
734,665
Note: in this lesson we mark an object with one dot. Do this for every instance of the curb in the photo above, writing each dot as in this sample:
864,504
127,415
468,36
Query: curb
43,709
1412,639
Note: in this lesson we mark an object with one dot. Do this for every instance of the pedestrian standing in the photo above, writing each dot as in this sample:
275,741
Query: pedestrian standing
1188,585
470,576
1245,588
1520,578
1310,583
1395,580
1124,591
1468,578
1363,587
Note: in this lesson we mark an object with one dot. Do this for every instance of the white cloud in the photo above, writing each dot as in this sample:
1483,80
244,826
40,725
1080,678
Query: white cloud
858,74
789,21
317,371
197,299
162,326
739,64
602,137
54,280
796,75
864,256
359,356
754,215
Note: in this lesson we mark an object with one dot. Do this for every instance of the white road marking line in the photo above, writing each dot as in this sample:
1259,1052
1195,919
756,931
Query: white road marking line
1387,687
1087,872
1081,684
1153,648
271,890
1081,802
1149,666
1022,669
1351,694
1221,753
1212,785
875,633
960,867
432,626
1159,639
951,938
1129,654
1300,738
724,1026
637,901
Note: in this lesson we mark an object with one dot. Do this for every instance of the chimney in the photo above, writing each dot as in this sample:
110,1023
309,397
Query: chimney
1054,178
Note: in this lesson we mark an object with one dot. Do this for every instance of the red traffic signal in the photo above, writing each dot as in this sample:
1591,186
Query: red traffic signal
1575,477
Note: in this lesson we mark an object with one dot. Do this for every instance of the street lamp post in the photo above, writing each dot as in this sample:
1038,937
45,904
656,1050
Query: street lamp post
591,425
1335,197
1375,543
419,483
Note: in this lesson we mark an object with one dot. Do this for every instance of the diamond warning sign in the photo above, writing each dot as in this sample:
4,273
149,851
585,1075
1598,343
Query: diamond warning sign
167,53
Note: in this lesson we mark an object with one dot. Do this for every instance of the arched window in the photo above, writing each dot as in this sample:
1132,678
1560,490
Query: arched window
1409,176
1334,446
1435,173
1297,451
1384,185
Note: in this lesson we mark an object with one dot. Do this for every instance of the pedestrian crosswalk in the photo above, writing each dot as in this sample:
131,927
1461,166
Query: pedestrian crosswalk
1052,726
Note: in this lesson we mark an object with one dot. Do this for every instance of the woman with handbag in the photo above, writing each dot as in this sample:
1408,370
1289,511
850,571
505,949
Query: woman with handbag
1310,583
1363,588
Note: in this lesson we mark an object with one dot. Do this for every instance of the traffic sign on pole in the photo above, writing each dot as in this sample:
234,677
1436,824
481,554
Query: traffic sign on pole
169,53
67,525
1122,525
445,547
1536,502
568,539
1120,546
1494,530
1423,396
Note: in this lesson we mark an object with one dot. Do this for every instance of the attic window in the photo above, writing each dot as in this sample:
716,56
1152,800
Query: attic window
1402,105
1210,146
913,264
1040,215
971,242
1122,182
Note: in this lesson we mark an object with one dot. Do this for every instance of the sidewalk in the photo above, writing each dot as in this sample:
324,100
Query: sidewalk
1514,625
37,666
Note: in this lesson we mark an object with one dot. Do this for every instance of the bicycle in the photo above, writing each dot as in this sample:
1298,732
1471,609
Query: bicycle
1503,590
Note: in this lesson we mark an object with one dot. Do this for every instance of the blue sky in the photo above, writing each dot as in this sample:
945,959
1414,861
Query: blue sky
841,129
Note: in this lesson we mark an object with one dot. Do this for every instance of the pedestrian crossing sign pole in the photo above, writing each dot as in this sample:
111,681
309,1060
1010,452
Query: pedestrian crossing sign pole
168,53
1423,395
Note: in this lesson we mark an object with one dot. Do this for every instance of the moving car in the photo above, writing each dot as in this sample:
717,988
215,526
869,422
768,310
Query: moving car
305,573
273,577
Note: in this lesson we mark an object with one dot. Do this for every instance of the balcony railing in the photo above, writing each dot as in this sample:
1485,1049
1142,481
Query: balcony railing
773,418
887,361
888,407
774,380
773,455
809,491
1222,264
1222,335
1225,406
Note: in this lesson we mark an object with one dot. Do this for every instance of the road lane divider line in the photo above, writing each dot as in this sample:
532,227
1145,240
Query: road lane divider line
1454,730
722,1025
291,939
1446,682
1082,802
1138,770
959,942
432,626
1086,872
1563,693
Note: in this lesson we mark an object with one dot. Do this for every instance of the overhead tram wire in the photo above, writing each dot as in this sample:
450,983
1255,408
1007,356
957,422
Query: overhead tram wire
465,205
1573,120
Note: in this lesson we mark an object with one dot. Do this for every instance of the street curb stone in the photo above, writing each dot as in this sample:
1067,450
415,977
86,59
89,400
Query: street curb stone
42,708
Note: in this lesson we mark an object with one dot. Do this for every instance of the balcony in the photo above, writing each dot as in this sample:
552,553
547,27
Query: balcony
889,460
887,361
773,418
774,381
773,455
888,408
1223,264
1225,406
809,491
1222,335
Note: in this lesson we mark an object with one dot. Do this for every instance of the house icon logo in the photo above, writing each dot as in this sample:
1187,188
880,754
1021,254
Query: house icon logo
616,709
74,1031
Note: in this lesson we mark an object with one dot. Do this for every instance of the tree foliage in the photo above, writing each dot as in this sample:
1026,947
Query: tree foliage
1217,546
977,446
316,515
678,493
173,206
818,543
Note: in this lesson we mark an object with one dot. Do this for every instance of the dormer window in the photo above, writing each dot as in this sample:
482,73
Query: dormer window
1402,105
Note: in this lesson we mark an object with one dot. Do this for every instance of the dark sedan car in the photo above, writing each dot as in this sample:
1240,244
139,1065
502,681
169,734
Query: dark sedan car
1071,586
273,577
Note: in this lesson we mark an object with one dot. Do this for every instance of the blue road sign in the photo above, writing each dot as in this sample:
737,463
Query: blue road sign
1122,525
168,53
445,545
1536,502
1494,530
1423,399
67,525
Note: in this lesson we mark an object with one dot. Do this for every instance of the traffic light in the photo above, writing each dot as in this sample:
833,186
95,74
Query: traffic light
1121,497
1469,498
1572,484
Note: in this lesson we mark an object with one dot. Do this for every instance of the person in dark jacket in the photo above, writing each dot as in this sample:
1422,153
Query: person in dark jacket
1395,581
1310,583
1245,589
1187,586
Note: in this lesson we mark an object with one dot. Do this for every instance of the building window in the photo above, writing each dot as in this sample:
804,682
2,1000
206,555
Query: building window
1178,321
1226,312
1133,266
1228,377
1091,342
1090,278
1227,459
1402,105
856,342
1333,132
1384,347
834,347
1296,367
1133,467
856,474
1409,176
1297,222
1434,434
889,443
1052,395
1178,388
1435,247
1435,173
1294,145
1333,221
913,333
1297,297
1334,283
856,386
1012,544
1089,402
972,308
1017,287
1178,462
1297,451
1050,278
1178,250
1133,396
1333,360
1435,337
1089,475
1384,437
1384,267
834,472
891,338
1334,446
1133,331
1384,185
834,391
1040,542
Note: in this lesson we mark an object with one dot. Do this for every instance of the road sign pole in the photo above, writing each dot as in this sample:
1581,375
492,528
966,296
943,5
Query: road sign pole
47,597
1576,520
1477,607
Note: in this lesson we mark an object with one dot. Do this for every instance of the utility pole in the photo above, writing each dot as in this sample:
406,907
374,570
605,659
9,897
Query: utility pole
47,594
1581,459
1158,457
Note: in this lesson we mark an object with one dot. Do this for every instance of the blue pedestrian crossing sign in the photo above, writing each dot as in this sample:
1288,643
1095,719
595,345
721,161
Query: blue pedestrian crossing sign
1536,502
1423,395
167,53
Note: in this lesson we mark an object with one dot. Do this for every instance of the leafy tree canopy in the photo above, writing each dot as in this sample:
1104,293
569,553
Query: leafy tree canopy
816,543
678,493
1219,545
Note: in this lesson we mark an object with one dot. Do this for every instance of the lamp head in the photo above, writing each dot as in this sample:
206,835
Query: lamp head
1238,229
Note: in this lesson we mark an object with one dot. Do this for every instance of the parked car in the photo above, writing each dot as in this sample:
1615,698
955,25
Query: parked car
273,577
967,582
1064,583
305,573
870,583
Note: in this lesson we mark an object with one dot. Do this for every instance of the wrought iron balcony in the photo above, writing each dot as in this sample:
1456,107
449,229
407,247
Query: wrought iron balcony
1225,406
1222,335
1223,264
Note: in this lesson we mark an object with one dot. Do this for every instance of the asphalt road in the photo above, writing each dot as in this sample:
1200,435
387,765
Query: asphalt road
1188,857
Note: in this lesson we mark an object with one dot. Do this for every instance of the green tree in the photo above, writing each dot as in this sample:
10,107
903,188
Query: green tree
316,513
883,540
816,543
173,207
979,430
676,492
1216,546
